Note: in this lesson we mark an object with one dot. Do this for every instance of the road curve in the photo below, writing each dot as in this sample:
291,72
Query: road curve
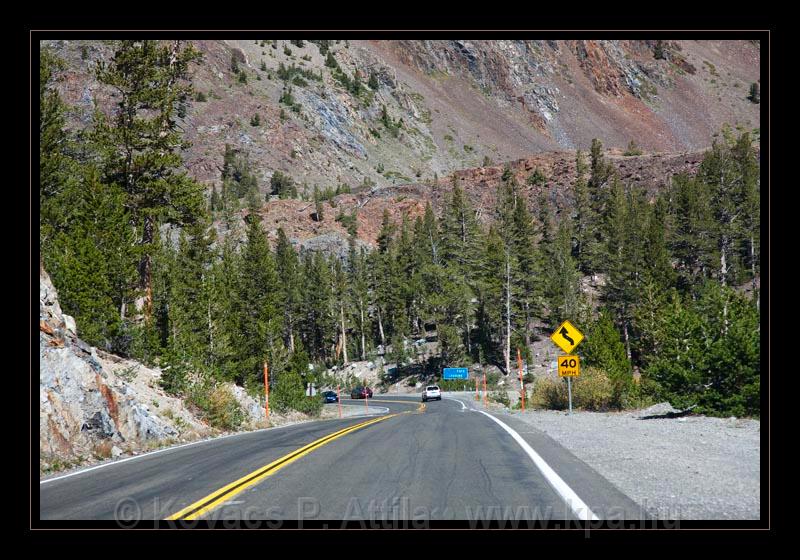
438,462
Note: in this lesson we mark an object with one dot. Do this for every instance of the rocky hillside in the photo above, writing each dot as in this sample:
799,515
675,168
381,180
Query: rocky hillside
298,219
460,102
452,108
95,406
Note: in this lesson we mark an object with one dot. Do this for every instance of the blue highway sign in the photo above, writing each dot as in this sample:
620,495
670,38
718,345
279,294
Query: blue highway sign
455,373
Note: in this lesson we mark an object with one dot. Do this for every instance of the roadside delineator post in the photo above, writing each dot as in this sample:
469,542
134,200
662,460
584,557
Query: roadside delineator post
266,390
477,395
484,388
521,382
366,400
339,399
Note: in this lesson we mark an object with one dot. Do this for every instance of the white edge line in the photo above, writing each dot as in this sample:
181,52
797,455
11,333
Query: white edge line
577,505
454,398
198,442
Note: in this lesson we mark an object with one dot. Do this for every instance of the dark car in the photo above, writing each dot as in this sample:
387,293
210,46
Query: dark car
329,396
361,393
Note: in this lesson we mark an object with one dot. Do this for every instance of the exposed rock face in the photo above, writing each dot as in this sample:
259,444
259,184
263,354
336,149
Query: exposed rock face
650,172
84,407
93,405
460,101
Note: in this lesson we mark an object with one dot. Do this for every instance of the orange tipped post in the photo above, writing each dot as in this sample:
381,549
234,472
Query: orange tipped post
521,383
477,394
266,389
339,399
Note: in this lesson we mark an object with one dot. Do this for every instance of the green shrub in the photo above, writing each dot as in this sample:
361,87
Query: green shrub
755,93
550,393
289,393
218,406
605,350
633,149
536,178
593,390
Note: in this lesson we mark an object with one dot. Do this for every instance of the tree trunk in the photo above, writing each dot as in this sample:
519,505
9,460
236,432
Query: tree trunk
363,337
145,303
507,349
527,325
210,330
291,338
344,333
723,260
627,340
380,330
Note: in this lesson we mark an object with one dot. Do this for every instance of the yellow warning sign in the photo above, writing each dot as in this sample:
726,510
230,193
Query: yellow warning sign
567,337
569,366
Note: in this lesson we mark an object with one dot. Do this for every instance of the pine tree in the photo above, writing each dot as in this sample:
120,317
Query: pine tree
431,232
657,262
386,232
529,263
749,204
225,331
624,259
288,270
461,252
257,302
692,241
709,353
719,171
358,285
141,147
491,300
318,322
755,93
91,259
604,349
190,314
587,247
562,291
340,294
54,162
387,281
215,202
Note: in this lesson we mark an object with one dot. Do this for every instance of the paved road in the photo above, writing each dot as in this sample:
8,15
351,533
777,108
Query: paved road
441,461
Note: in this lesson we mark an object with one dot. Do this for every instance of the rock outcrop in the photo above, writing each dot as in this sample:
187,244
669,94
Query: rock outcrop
460,101
95,406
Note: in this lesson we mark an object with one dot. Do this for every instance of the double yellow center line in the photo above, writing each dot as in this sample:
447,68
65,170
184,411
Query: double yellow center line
204,505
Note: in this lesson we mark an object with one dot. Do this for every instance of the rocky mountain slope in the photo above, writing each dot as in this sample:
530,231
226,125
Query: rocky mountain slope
94,405
466,107
297,217
460,102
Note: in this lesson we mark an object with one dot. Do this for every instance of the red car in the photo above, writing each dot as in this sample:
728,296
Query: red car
361,393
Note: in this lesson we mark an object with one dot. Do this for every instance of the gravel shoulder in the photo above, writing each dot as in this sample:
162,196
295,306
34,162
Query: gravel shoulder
693,467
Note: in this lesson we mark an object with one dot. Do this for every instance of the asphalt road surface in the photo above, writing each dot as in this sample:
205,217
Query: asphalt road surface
439,461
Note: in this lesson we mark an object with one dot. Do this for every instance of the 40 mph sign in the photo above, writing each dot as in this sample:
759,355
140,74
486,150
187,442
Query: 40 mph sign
567,337
569,366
